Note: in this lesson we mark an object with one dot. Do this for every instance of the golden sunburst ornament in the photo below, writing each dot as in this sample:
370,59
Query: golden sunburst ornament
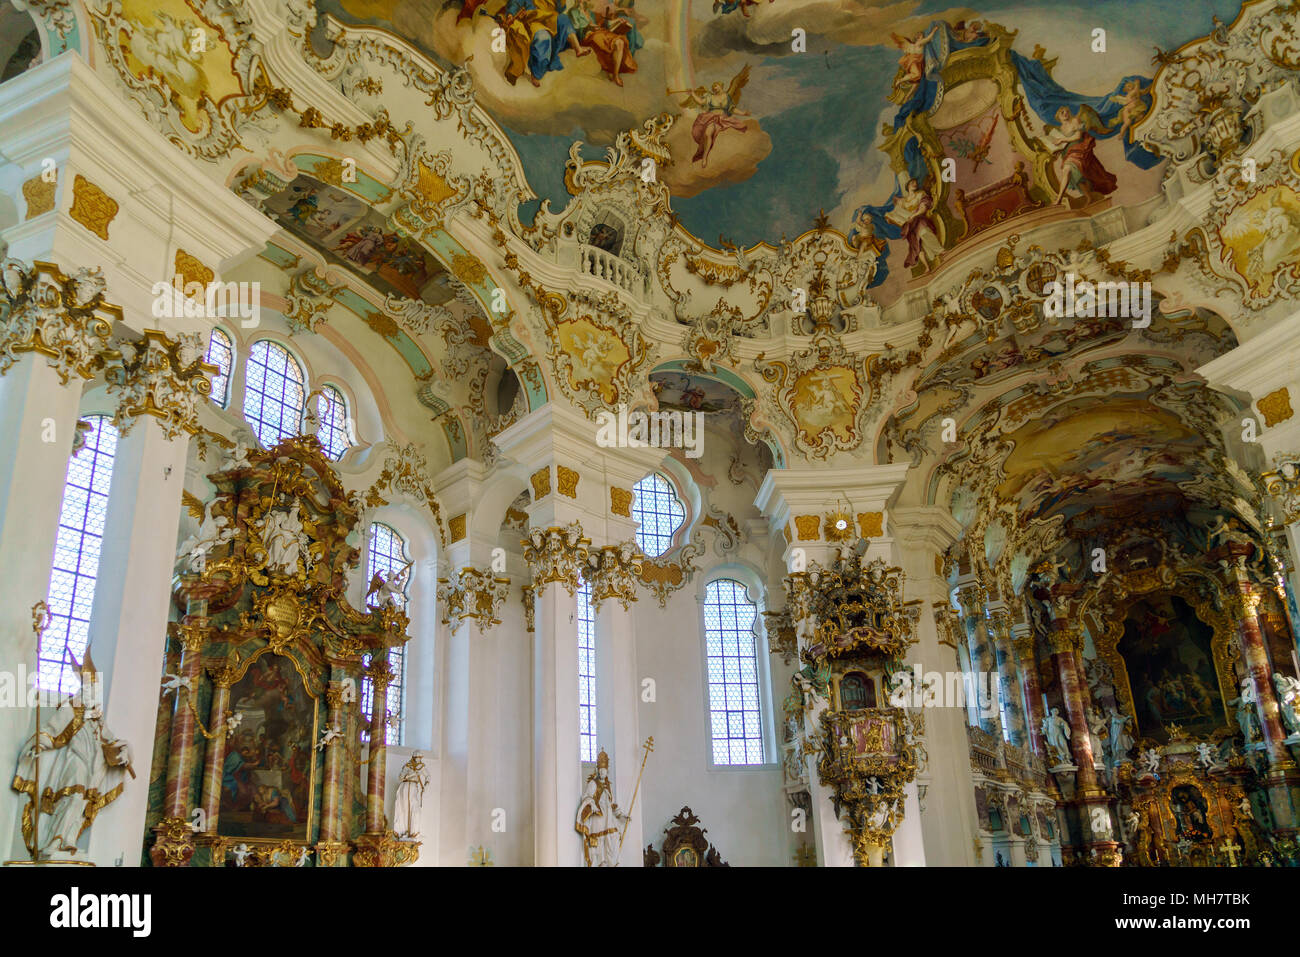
839,526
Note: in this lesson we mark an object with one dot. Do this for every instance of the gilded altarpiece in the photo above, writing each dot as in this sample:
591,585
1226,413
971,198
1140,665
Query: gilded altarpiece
1171,651
260,759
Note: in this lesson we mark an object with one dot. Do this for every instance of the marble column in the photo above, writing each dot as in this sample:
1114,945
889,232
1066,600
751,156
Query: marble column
174,841
380,673
1022,641
1009,677
1244,598
333,793
214,755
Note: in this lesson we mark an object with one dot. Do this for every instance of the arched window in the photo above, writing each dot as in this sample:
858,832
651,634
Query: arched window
273,392
658,512
586,674
731,658
386,554
334,433
221,353
76,558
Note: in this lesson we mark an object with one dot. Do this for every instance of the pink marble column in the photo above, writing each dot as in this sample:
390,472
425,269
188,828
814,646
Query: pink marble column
332,795
214,757
380,675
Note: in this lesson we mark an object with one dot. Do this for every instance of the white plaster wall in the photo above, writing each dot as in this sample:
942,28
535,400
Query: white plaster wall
744,809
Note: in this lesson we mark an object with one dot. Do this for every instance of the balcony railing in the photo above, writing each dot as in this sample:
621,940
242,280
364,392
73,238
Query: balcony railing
607,266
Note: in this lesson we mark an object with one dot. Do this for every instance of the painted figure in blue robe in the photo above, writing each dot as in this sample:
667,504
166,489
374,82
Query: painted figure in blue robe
537,31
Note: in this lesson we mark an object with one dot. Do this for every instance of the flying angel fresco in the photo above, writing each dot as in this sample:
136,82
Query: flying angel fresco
718,107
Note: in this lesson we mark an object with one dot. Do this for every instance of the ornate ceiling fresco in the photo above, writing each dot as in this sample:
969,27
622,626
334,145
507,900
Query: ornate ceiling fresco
811,129
832,224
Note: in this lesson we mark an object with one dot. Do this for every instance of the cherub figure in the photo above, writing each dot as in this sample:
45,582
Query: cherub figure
718,106
391,589
1133,108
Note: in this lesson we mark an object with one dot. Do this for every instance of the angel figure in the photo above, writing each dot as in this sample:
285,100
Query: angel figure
174,683
1227,533
213,531
391,590
1207,759
718,105
1052,572
241,852
1149,762
591,352
911,65
1071,141
328,737
1133,108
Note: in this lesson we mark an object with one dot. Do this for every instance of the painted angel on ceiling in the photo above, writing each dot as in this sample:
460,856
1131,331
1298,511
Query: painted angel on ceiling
1072,143
911,65
718,107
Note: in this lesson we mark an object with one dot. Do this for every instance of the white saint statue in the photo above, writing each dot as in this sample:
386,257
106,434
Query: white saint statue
1247,715
81,764
410,797
284,538
1288,701
598,818
1121,742
1056,731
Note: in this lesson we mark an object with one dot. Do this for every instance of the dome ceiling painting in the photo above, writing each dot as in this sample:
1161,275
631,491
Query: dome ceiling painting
766,138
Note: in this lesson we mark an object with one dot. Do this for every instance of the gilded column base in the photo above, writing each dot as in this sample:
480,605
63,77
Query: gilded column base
1104,854
384,850
332,853
215,848
173,843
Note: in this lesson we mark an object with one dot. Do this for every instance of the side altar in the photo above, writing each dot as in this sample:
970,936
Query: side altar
263,756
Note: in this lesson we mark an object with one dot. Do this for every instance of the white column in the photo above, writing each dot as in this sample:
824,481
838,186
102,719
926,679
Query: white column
128,628
34,406
557,782
948,821
909,840
453,760
617,697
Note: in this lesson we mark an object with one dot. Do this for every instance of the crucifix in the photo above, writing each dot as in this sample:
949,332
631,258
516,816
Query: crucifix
1231,850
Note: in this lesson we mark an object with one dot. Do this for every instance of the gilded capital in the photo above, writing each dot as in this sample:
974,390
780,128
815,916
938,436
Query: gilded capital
556,554
163,377
1283,483
1065,636
613,571
475,594
63,318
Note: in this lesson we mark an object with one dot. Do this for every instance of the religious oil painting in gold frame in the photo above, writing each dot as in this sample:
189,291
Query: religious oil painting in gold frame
1167,651
267,781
